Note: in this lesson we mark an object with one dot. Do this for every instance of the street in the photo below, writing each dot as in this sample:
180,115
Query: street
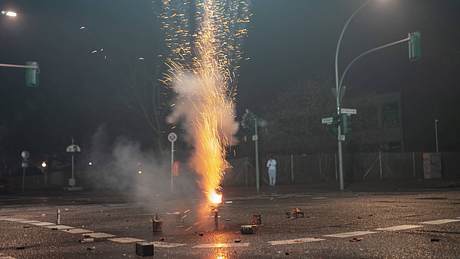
416,224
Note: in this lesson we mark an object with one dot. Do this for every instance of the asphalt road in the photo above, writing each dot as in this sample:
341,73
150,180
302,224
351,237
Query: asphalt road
416,224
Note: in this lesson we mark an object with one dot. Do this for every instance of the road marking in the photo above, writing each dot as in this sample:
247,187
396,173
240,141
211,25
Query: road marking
58,227
295,241
28,221
126,240
7,257
77,231
12,219
43,224
166,245
222,245
398,228
440,221
350,234
98,235
319,198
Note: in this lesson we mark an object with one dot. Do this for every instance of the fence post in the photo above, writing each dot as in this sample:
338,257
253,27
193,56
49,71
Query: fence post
413,165
380,164
292,168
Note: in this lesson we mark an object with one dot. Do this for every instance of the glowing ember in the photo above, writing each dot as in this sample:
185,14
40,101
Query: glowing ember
215,198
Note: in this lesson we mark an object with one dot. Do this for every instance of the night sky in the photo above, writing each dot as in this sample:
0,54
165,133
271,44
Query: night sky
288,41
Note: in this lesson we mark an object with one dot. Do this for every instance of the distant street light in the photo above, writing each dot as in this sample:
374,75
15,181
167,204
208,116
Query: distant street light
9,13
44,164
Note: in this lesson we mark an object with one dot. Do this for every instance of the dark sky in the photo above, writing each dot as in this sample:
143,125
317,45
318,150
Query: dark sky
289,41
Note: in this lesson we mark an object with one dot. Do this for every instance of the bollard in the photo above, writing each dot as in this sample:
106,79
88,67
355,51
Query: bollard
58,217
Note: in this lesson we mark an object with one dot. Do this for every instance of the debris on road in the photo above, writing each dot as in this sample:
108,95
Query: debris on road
256,219
237,240
91,248
20,247
248,229
157,224
355,239
86,240
435,240
144,249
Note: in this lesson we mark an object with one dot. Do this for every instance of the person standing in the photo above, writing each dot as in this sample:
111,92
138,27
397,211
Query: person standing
271,165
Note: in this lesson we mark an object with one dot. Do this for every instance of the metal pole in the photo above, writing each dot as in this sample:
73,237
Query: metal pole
335,166
292,168
172,166
23,178
257,155
337,91
380,164
436,121
73,167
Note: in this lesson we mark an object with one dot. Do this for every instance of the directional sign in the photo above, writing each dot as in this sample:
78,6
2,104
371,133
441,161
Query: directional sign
327,120
172,137
348,111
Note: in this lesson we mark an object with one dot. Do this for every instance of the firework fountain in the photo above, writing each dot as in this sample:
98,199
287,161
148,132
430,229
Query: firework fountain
203,65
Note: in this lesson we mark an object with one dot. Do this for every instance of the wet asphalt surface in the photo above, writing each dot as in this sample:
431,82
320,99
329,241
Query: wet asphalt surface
326,213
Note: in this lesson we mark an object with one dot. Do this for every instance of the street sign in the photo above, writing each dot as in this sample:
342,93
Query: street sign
172,137
342,137
254,137
327,120
348,111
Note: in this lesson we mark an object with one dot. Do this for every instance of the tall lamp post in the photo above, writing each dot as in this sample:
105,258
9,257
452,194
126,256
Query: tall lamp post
338,93
413,38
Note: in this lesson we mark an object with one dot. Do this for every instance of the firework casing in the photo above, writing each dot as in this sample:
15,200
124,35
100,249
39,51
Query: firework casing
256,219
144,249
248,229
216,219
157,226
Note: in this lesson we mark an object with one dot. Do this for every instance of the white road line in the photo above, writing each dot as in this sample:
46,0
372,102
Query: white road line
222,245
126,240
440,221
166,245
12,219
350,234
295,241
77,231
398,228
28,221
99,235
43,224
58,227
7,257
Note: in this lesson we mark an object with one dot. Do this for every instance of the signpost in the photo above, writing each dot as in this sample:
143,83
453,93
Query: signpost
172,137
73,148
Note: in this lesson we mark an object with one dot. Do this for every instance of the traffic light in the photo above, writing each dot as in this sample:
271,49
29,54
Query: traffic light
32,72
345,123
415,46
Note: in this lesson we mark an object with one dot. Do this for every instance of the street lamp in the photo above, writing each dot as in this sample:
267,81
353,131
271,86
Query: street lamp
9,13
338,89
